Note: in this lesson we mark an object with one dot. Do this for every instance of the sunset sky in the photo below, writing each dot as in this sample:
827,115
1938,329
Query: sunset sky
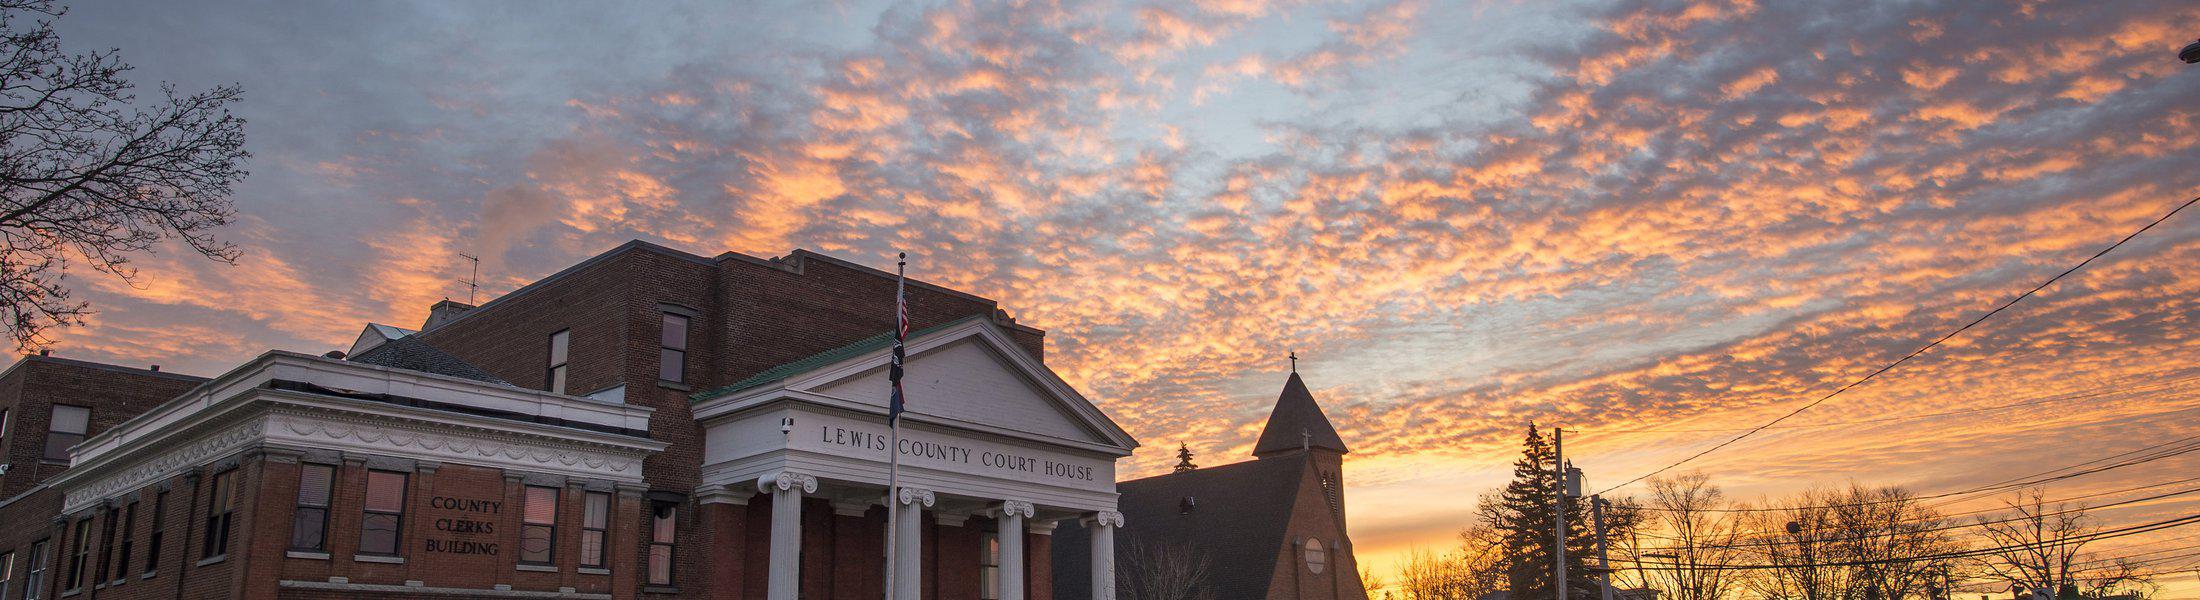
1651,222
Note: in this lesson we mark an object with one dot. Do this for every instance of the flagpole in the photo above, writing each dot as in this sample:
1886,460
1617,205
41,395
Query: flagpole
893,421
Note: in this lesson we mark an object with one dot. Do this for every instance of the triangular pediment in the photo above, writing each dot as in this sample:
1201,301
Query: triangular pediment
971,373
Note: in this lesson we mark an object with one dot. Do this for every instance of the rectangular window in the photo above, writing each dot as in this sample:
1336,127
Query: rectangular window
538,530
106,543
989,567
385,513
220,509
66,429
152,543
673,352
309,525
34,572
556,376
663,526
122,552
595,518
7,573
80,549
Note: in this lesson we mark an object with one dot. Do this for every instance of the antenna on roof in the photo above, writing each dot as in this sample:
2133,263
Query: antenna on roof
473,281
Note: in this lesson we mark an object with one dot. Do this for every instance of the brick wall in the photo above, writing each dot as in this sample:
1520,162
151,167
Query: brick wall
30,388
748,315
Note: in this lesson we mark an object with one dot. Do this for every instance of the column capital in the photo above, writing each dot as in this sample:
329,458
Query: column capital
1012,508
1105,518
787,481
910,495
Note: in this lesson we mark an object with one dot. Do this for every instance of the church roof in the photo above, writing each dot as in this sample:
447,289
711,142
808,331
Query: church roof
1237,514
1297,422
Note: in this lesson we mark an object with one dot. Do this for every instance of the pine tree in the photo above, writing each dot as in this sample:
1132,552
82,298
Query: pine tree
1525,511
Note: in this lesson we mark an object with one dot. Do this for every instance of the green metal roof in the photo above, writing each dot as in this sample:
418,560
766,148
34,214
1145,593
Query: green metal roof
820,360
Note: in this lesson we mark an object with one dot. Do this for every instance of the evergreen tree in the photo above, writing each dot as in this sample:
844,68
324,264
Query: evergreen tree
1524,520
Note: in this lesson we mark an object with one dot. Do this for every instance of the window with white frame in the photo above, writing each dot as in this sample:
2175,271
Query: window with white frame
989,567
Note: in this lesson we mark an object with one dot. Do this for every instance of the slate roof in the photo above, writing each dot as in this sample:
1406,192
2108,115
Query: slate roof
820,360
412,354
1239,513
1295,417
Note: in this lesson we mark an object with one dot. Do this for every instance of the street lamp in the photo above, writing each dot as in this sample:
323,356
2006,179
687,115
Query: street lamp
2191,53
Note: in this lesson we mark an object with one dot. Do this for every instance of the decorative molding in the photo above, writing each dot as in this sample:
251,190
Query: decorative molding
721,495
1041,527
910,495
787,481
1105,518
507,452
950,519
219,443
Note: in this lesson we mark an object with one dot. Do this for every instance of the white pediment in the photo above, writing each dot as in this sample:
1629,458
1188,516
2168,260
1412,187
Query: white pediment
968,381
969,373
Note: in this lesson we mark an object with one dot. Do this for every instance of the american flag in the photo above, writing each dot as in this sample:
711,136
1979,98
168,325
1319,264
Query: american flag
901,334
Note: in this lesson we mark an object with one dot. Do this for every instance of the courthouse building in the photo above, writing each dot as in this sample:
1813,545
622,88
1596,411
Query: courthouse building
646,424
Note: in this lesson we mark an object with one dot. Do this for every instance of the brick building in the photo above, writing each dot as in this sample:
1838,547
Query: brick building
645,424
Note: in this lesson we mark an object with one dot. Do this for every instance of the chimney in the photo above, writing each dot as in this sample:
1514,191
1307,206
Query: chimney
156,368
444,312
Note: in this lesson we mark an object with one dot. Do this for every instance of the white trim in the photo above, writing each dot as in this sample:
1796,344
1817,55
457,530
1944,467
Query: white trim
802,384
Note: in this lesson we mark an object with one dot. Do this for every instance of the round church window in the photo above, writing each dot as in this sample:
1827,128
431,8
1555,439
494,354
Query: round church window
1316,557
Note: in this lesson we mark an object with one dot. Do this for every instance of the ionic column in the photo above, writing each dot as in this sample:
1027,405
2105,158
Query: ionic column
786,488
908,542
1010,530
1103,526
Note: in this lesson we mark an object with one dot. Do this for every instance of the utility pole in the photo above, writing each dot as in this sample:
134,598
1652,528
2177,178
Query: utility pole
1558,506
1604,557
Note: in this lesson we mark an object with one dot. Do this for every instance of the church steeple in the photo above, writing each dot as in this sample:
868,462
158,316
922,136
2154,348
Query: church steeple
1297,424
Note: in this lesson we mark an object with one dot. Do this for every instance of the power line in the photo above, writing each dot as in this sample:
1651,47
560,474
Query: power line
2100,535
2006,484
1914,353
2033,402
2081,509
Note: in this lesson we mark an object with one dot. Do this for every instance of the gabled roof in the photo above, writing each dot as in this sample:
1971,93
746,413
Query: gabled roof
1297,422
411,354
1238,516
997,387
821,360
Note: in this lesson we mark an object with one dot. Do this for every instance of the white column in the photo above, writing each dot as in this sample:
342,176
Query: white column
909,543
1010,530
786,488
1103,524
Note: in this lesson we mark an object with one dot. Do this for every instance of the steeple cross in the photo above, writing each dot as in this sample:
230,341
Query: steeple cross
1306,440
1294,361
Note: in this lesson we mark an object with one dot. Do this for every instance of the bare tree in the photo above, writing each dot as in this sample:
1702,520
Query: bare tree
1163,571
1699,546
1854,544
86,176
1476,567
2044,546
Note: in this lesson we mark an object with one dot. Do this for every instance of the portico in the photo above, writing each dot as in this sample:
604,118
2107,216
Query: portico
994,450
